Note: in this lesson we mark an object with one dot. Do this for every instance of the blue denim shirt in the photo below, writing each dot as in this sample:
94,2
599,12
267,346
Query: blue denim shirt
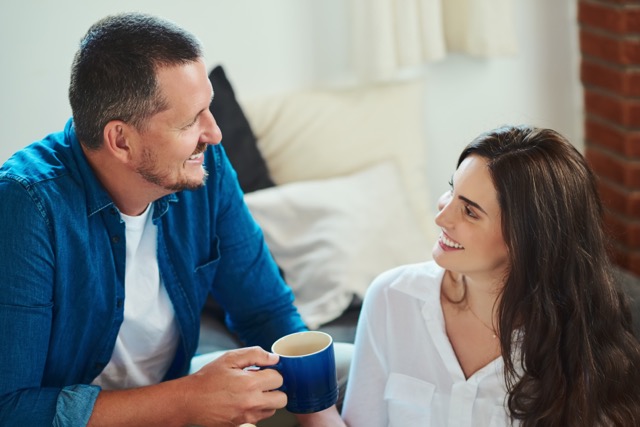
62,264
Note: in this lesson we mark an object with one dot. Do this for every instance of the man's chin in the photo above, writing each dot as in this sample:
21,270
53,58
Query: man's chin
190,184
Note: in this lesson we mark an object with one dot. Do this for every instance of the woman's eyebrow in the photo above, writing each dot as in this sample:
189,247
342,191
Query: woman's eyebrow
472,203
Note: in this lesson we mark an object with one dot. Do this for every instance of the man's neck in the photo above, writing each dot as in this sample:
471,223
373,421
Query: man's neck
129,191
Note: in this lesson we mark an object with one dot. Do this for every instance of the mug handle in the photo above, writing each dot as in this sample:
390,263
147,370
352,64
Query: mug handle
260,368
276,367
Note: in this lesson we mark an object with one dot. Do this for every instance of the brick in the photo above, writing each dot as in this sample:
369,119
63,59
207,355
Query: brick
621,171
614,226
618,199
633,263
621,80
620,140
626,260
619,50
624,230
633,204
603,165
609,17
633,176
619,256
633,235
612,198
621,110
622,3
617,227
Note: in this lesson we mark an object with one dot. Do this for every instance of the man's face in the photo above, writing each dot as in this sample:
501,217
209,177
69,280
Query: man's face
170,149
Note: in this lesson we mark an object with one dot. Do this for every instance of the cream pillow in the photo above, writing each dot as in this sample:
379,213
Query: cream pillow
323,133
332,237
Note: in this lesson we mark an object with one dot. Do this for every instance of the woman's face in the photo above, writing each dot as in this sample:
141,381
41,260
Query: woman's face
471,240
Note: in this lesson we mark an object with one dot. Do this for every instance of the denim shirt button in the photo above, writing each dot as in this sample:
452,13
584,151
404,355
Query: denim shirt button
119,303
99,366
115,239
113,211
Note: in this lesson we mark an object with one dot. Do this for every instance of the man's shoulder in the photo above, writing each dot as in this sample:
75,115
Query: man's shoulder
40,161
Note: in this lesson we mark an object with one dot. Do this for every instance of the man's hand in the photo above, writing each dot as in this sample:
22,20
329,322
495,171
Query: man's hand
224,393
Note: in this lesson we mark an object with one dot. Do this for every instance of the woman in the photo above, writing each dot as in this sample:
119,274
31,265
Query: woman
518,319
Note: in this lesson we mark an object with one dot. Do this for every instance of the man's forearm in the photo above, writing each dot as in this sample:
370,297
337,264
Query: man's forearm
160,404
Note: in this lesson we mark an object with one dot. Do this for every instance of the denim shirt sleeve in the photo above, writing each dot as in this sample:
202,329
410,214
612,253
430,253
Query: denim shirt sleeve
74,405
259,305
26,308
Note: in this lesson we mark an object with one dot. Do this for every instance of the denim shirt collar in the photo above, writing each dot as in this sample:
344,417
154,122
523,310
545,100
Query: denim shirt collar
96,195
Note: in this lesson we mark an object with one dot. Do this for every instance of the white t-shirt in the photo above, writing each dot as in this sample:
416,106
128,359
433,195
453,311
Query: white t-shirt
404,372
148,337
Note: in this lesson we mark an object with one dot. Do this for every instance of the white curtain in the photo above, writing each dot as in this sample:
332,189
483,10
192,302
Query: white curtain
394,35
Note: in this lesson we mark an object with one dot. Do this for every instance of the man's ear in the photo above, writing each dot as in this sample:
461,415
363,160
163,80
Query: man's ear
116,136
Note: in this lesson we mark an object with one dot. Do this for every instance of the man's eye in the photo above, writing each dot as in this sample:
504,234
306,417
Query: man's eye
191,124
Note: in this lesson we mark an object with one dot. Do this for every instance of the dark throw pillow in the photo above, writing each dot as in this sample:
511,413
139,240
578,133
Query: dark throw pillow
238,139
241,147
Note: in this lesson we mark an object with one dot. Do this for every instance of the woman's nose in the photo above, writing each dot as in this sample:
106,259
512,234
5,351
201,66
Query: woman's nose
443,200
443,218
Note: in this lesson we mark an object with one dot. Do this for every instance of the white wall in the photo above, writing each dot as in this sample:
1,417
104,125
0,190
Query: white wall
539,86
265,46
279,45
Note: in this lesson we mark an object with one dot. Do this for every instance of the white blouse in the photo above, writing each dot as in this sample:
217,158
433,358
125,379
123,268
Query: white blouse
404,371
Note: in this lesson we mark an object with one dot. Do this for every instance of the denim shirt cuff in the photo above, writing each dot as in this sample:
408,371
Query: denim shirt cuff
75,405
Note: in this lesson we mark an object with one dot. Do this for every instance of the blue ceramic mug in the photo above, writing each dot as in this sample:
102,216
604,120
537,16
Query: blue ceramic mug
308,367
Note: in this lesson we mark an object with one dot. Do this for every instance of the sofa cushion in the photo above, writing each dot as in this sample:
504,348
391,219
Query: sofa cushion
333,236
238,139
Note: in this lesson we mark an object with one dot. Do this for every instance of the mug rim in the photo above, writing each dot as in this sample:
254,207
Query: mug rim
298,333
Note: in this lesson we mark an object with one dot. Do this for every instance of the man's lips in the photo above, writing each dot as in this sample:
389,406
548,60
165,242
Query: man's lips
197,155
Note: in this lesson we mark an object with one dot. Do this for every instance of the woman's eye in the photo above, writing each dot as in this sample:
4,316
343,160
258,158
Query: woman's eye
470,212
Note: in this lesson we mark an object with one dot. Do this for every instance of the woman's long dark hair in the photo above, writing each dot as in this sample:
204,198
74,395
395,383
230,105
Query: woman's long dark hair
571,358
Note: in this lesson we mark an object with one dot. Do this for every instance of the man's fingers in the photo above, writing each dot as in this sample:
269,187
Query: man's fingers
251,356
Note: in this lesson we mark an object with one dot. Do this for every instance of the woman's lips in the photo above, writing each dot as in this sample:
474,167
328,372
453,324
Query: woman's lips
448,244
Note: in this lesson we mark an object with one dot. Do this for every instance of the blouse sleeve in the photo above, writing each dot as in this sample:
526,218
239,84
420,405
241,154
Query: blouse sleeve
364,400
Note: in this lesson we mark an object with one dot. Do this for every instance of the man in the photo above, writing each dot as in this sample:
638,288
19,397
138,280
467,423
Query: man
111,242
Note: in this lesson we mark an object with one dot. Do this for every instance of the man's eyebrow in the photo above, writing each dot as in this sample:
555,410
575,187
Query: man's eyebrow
472,203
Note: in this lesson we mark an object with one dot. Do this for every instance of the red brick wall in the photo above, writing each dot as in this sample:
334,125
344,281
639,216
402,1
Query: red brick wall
610,73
